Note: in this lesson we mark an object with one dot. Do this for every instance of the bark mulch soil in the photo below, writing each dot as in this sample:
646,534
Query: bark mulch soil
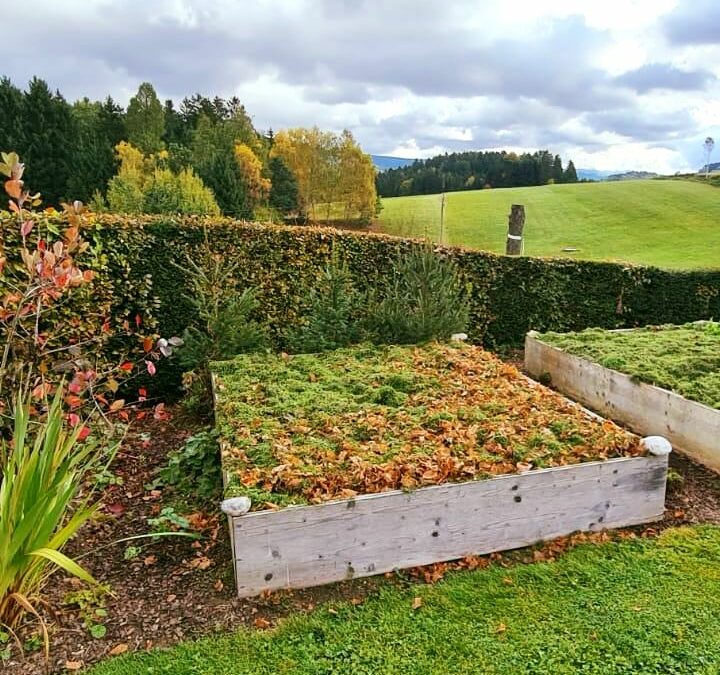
179,589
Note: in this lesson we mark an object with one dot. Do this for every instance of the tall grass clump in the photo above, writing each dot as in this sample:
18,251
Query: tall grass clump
43,504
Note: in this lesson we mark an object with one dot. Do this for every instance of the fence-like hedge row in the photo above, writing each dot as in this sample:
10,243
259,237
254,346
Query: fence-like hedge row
510,295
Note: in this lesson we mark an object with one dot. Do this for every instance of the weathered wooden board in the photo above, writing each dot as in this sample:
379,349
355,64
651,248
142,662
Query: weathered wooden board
691,427
311,545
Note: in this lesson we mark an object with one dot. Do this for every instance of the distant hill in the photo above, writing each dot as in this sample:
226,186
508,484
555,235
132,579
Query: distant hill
596,221
592,174
384,162
632,175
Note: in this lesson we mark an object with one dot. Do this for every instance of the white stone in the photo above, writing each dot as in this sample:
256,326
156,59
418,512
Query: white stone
236,506
458,337
657,445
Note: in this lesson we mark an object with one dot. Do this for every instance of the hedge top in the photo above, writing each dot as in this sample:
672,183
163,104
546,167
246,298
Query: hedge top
315,427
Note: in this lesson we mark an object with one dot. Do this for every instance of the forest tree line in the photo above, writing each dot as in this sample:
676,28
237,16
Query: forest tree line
201,156
474,171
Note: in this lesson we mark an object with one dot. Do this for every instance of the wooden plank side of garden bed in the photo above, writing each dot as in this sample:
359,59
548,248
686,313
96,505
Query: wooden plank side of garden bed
312,545
691,427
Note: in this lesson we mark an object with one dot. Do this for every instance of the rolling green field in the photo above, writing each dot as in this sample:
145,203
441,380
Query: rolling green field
668,223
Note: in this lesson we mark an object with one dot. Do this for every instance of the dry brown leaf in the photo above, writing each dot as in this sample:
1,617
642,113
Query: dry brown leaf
118,649
261,623
200,563
501,628
73,665
417,602
150,560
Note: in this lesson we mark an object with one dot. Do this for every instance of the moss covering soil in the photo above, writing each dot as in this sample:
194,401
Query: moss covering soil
684,359
309,428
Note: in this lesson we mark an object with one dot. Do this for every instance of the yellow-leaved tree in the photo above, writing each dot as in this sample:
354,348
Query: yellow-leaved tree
336,179
251,172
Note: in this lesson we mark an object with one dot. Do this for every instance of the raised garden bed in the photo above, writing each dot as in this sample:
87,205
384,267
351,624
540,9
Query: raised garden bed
661,380
365,460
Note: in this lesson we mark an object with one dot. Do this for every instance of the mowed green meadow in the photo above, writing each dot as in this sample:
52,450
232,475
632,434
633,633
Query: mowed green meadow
667,223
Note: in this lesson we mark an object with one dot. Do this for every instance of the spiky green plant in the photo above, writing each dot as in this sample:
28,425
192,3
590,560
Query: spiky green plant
43,504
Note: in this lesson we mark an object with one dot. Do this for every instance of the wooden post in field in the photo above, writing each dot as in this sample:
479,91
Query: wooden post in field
516,222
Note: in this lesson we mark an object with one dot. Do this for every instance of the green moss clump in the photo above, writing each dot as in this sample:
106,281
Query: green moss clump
684,359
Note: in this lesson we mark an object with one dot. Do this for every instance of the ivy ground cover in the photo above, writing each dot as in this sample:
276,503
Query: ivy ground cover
309,428
684,359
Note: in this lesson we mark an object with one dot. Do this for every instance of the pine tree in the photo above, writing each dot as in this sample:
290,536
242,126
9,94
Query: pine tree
283,189
176,132
557,170
11,117
49,133
213,159
570,175
99,127
145,120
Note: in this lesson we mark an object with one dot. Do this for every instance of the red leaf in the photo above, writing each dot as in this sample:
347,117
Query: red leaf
150,367
116,509
73,419
127,366
84,433
142,391
73,401
138,320
27,226
148,344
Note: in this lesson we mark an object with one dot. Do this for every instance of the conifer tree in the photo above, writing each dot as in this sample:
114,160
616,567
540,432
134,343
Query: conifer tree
145,120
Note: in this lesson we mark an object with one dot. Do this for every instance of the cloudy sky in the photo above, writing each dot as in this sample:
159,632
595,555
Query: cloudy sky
613,84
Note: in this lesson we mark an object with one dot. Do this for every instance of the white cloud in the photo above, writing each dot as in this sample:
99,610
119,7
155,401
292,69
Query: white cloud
601,82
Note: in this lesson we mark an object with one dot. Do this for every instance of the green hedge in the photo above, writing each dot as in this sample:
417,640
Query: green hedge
509,295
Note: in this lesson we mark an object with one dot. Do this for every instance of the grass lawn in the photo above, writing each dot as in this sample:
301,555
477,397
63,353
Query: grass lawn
638,606
683,359
314,427
668,223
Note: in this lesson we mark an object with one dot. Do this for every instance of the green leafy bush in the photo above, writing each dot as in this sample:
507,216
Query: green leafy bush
195,468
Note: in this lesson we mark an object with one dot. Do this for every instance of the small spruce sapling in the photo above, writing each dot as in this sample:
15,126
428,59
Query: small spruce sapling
332,317
426,300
